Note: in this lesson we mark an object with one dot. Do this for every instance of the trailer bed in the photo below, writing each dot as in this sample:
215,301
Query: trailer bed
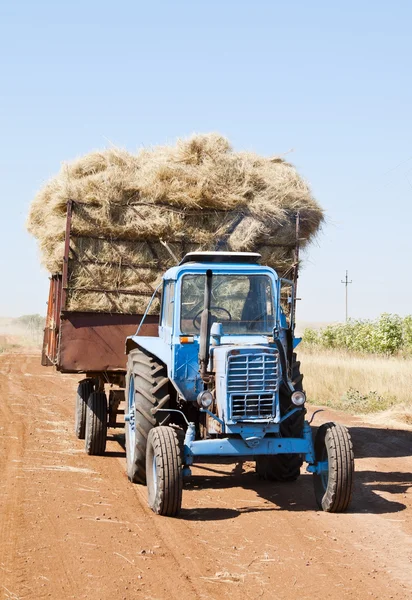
86,342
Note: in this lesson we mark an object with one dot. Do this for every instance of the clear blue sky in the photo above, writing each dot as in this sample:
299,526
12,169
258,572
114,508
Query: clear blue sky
330,80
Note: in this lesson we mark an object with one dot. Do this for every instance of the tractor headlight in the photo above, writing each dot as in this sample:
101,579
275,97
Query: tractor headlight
205,399
298,398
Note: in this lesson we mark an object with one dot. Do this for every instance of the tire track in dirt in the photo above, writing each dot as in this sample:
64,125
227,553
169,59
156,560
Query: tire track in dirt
13,441
72,526
18,416
65,544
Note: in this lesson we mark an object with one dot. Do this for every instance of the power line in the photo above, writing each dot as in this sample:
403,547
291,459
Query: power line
346,282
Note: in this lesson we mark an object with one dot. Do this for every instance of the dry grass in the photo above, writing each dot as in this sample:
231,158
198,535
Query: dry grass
8,344
358,383
198,194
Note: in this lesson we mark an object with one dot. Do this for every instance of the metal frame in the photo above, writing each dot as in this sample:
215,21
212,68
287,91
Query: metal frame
252,447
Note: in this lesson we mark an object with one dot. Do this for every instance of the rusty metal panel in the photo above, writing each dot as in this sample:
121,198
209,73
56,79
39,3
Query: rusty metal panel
45,355
95,342
51,330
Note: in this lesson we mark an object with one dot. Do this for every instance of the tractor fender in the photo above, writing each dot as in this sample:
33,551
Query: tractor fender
153,345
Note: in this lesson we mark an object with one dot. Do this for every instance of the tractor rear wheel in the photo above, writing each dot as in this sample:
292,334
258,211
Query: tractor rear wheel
84,390
96,424
285,467
147,388
164,471
333,485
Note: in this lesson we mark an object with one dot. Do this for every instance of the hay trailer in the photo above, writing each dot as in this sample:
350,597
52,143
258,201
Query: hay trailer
91,344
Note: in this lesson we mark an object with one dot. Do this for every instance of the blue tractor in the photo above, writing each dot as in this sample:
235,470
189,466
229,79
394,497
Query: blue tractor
221,381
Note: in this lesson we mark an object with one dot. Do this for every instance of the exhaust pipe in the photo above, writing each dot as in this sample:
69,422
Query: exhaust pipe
205,327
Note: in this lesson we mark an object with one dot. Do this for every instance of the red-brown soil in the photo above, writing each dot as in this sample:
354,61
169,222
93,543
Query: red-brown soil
73,526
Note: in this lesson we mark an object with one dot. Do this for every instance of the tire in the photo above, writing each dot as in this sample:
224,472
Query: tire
164,471
115,398
147,388
333,489
96,424
285,467
84,390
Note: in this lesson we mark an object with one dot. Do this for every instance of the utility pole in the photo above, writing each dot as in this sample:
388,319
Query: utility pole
346,282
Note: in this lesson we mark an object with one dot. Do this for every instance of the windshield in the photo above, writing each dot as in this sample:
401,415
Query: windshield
242,303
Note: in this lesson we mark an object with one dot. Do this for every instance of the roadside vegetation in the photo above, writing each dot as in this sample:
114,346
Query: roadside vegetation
388,335
361,367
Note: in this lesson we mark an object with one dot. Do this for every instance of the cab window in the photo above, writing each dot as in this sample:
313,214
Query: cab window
242,303
168,303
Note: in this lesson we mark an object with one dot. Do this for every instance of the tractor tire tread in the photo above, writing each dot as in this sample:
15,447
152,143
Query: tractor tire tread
339,447
151,387
84,389
96,424
167,452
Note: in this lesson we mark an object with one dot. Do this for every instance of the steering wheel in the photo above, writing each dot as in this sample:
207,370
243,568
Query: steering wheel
196,317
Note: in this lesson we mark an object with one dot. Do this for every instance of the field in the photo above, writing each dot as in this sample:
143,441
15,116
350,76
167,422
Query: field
359,384
362,367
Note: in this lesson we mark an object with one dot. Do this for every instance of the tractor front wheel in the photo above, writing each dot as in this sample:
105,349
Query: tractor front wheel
334,452
164,471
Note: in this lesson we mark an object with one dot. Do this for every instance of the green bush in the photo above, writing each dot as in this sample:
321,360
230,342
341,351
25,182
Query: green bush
389,334
310,337
407,333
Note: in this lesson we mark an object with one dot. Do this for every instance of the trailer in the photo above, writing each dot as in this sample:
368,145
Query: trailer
91,344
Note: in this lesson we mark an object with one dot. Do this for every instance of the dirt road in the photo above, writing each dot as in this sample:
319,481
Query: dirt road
72,526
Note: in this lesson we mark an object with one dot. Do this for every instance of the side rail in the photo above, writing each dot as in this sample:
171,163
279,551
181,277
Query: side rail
51,330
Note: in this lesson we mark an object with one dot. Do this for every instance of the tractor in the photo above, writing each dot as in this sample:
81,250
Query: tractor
221,381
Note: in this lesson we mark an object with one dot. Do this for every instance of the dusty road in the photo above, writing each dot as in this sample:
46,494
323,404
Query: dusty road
72,526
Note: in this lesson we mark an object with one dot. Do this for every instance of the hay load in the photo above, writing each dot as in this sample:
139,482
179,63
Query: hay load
135,214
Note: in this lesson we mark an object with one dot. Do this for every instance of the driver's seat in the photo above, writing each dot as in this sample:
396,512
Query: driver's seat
251,309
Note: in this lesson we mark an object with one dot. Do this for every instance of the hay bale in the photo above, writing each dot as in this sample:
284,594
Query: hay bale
198,194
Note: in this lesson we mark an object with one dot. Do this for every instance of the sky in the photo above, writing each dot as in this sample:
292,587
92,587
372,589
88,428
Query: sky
327,83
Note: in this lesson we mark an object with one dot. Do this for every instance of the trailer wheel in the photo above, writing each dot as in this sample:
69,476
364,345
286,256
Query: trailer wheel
147,388
96,423
164,471
84,390
285,467
333,486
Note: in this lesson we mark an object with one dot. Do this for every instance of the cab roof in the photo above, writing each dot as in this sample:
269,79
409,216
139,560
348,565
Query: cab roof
219,262
221,257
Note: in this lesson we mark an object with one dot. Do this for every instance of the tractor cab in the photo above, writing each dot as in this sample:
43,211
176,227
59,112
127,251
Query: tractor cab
242,295
218,299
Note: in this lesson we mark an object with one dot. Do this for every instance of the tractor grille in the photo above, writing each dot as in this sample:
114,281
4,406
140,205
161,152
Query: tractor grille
252,406
252,384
